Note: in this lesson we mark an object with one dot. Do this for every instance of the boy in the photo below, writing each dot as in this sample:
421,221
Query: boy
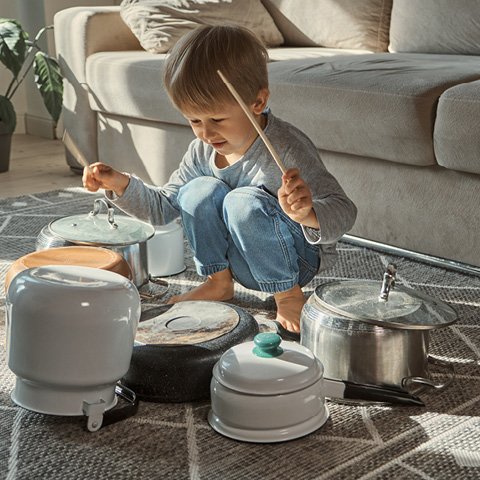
244,220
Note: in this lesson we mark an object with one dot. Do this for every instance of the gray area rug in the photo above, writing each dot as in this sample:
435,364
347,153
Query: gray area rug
174,441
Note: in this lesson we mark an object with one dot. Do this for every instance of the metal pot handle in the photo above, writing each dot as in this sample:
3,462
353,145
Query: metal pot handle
146,291
97,205
426,382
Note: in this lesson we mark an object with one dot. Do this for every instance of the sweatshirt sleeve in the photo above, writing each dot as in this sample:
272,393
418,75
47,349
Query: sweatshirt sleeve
336,213
158,205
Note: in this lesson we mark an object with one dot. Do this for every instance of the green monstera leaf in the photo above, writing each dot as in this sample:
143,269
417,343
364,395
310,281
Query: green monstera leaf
13,45
49,81
7,114
19,55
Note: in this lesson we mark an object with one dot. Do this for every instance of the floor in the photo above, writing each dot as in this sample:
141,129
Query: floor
36,165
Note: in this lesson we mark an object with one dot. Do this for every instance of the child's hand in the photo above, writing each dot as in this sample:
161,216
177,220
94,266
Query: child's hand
295,198
98,175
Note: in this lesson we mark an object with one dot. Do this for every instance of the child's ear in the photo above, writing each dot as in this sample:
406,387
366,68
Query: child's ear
261,101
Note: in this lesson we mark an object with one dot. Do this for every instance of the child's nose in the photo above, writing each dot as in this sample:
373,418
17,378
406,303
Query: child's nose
208,132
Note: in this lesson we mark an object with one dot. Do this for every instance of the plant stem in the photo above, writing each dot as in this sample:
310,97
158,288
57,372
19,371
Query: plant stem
9,94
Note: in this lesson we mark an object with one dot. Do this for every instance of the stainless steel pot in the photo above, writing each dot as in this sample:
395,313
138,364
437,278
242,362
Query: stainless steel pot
369,332
125,235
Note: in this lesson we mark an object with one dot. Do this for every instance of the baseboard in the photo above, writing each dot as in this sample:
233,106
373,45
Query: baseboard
39,126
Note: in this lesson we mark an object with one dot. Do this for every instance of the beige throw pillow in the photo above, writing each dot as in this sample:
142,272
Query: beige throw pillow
158,24
350,24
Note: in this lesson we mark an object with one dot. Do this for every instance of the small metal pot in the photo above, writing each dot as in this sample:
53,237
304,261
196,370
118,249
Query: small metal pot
125,235
367,332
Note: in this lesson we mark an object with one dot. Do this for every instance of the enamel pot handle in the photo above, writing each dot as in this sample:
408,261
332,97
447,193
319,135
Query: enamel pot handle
97,417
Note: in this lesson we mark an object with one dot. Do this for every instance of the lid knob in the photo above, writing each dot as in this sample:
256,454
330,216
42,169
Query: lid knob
267,345
388,282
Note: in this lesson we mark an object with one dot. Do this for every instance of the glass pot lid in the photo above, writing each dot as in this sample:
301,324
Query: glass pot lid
102,229
268,366
384,304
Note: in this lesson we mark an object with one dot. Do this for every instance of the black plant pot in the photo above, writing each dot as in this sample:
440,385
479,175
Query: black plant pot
5,144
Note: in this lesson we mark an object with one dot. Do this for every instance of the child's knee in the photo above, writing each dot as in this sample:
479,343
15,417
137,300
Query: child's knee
199,191
245,204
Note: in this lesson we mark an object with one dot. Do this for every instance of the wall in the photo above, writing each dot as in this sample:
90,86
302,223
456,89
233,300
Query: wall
32,116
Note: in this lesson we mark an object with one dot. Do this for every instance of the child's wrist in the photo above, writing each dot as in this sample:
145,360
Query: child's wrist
311,220
123,182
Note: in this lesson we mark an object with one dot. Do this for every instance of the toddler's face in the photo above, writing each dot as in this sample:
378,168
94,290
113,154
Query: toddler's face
226,128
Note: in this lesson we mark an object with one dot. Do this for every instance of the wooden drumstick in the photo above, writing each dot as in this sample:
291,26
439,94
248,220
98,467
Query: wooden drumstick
250,116
72,147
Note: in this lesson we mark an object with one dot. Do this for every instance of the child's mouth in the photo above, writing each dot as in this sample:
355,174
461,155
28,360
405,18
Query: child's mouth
218,144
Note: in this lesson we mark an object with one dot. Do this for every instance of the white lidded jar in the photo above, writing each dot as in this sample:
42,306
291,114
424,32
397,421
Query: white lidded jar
267,391
70,336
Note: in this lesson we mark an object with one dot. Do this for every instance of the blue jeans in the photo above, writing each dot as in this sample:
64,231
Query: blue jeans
245,230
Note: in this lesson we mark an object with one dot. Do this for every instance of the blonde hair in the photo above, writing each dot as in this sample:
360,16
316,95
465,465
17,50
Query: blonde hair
190,74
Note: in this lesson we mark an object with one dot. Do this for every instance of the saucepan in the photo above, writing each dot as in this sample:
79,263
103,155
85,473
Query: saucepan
375,332
267,391
123,234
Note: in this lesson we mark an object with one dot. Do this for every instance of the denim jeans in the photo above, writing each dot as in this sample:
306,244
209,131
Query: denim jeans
246,230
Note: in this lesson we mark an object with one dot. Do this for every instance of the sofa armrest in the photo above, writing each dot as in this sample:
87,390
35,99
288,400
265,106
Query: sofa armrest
80,32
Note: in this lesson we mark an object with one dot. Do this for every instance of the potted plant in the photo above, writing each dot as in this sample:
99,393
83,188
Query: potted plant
19,55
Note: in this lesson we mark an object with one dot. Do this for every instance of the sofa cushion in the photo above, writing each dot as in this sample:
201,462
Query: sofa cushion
130,83
435,26
456,139
158,24
377,105
340,24
292,53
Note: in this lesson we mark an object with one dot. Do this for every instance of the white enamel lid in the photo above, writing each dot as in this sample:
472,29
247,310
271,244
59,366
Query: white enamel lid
268,366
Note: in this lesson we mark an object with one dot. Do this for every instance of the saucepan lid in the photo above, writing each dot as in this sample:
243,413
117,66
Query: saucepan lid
102,229
384,303
268,366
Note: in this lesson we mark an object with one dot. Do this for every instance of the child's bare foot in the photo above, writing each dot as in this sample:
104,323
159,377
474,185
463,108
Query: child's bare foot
217,287
289,308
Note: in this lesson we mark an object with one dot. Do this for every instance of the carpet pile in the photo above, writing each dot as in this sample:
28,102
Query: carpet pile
174,441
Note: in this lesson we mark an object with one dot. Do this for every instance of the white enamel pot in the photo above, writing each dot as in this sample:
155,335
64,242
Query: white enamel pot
267,391
165,250
70,336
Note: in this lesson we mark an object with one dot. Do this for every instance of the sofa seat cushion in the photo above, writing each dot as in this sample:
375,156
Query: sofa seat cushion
456,139
379,105
292,53
130,83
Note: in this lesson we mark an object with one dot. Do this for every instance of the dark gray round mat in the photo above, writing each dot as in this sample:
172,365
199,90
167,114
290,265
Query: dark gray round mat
177,346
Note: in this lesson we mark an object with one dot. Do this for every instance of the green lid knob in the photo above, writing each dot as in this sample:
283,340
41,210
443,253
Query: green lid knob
267,345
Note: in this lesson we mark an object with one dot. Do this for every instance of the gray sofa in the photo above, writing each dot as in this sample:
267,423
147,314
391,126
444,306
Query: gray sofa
394,109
